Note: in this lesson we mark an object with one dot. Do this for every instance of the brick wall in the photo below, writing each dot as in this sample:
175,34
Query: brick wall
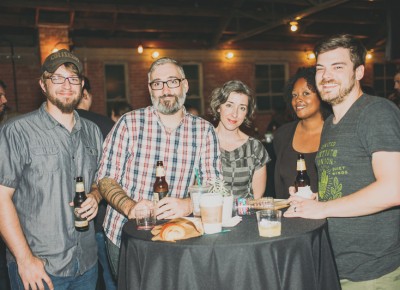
216,70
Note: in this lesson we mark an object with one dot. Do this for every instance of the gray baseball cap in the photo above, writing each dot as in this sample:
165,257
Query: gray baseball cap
54,60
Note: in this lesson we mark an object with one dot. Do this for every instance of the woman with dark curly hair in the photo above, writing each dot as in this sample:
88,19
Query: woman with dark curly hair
302,135
243,158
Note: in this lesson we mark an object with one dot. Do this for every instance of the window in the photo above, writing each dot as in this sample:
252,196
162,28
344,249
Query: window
269,86
194,96
115,84
383,78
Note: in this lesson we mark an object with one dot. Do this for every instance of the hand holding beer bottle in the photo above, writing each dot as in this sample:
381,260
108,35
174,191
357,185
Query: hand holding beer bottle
81,224
302,182
160,187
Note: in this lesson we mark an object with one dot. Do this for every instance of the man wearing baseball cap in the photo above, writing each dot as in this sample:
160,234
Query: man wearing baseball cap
41,155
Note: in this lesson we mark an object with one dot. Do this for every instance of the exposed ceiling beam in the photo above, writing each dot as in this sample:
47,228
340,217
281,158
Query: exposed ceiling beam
141,9
223,24
285,20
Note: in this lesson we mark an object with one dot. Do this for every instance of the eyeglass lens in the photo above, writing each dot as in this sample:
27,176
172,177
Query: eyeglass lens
159,85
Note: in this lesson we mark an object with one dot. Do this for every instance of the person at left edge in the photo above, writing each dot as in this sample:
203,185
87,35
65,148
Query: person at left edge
163,131
42,152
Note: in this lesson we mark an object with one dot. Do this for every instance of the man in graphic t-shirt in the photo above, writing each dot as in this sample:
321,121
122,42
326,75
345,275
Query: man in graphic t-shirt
358,166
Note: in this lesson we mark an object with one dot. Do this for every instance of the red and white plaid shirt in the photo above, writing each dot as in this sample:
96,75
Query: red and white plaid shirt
138,141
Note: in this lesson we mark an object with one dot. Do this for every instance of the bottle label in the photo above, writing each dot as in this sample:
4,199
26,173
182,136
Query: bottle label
304,192
156,197
80,187
301,165
79,221
81,224
160,171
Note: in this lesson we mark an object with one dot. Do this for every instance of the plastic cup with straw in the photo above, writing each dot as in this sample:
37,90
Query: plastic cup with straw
195,191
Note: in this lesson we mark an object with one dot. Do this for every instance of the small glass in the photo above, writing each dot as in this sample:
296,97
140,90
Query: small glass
145,218
269,222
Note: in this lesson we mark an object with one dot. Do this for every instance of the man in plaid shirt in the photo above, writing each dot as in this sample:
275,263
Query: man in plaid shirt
166,132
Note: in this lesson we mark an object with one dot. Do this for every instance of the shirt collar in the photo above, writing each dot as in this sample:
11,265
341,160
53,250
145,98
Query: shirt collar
50,123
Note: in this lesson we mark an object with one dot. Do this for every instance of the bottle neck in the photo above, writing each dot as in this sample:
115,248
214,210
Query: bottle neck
301,165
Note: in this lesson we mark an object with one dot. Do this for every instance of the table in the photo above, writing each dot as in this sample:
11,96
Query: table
301,258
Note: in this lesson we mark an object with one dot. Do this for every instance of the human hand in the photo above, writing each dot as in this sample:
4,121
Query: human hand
172,207
292,192
32,273
305,208
88,208
144,203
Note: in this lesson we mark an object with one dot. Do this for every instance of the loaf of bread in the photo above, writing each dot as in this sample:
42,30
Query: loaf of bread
177,229
172,232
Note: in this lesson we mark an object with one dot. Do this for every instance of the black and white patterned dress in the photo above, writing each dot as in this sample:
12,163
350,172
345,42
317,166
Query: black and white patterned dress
239,165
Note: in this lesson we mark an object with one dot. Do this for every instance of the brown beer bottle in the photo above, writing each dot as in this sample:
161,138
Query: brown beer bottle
160,188
302,178
81,224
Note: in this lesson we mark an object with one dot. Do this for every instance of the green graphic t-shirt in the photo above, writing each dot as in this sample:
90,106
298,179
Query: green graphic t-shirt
365,247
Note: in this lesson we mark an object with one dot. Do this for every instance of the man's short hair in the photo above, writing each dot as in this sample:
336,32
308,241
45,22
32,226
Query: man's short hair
356,48
162,61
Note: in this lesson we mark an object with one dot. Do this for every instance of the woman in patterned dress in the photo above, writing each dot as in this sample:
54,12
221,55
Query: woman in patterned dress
243,158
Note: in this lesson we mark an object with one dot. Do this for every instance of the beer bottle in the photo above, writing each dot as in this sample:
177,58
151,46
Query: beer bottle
160,188
302,182
81,224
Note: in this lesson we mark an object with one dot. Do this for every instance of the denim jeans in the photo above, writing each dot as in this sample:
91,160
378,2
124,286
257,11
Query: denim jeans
103,259
87,281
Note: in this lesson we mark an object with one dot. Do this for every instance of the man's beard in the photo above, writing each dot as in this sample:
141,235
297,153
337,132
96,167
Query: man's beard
168,107
341,96
65,108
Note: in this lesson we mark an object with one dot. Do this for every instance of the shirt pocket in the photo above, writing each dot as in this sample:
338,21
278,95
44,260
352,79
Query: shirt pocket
91,156
45,158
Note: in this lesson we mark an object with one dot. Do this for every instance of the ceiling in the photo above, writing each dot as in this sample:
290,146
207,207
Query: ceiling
195,24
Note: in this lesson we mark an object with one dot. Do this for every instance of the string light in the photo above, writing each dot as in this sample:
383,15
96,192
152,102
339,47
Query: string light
369,54
140,49
294,25
229,55
155,54
310,55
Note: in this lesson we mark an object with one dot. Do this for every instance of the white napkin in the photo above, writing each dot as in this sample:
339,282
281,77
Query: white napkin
233,221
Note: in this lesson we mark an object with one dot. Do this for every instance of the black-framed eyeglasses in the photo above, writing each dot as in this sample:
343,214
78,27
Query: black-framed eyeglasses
159,85
60,80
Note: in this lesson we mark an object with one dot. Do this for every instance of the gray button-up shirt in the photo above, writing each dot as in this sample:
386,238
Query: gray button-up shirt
40,159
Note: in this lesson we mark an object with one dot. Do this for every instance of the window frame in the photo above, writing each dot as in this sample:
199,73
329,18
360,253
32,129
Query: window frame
110,101
200,85
270,94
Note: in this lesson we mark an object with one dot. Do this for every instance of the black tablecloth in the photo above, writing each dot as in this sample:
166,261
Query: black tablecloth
301,258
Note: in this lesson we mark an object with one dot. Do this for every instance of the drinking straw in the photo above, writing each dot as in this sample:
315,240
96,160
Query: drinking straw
196,174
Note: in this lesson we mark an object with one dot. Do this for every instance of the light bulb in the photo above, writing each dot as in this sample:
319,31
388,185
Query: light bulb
229,55
293,26
140,49
155,54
